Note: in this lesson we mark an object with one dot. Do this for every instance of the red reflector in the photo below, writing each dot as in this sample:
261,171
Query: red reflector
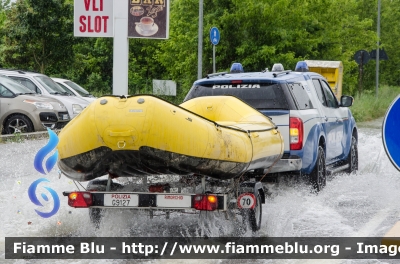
80,199
205,202
236,81
296,133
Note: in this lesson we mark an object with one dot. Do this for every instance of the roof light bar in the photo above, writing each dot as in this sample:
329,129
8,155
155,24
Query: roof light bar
277,67
301,66
236,68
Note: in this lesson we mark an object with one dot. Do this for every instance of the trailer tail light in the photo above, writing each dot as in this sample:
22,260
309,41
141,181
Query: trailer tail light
296,133
205,202
80,199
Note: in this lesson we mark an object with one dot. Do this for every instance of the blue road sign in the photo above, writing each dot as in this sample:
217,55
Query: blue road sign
214,35
391,132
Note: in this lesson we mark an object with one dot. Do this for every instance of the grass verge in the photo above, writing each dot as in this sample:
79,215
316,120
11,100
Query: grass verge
368,107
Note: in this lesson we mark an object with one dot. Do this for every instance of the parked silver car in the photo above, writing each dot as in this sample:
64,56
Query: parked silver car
43,84
75,88
22,110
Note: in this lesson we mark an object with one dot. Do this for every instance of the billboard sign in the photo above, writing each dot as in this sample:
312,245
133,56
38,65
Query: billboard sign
148,19
93,18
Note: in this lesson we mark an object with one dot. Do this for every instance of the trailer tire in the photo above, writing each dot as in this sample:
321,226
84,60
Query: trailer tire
95,215
252,217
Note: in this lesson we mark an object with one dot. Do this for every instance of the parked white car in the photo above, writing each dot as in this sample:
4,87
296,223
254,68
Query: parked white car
42,84
75,88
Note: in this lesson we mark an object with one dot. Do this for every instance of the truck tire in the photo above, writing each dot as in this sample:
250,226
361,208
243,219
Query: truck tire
318,174
252,217
352,159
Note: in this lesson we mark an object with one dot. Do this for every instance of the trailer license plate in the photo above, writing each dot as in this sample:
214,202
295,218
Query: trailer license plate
121,200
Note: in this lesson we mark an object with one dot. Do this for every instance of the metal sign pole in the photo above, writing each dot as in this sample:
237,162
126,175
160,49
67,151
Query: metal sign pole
121,48
360,74
214,70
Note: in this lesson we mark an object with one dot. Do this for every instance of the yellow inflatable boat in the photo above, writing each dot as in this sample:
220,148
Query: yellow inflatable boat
218,136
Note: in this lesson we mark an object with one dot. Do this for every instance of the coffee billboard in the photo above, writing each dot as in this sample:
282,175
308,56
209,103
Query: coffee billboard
148,19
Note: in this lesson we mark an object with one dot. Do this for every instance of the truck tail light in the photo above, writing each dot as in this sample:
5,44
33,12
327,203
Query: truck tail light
205,202
296,133
80,199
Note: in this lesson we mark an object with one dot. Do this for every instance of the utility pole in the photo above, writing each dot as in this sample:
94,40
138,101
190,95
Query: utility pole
377,49
200,42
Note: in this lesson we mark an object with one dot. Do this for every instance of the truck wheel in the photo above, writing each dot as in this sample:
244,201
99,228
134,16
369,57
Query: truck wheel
252,217
318,174
352,159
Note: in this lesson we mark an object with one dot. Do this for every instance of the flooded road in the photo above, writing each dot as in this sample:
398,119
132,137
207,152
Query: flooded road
365,204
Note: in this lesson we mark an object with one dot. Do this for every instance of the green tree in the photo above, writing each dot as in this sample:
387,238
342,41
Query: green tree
390,35
179,54
92,65
345,28
38,35
143,66
261,33
4,6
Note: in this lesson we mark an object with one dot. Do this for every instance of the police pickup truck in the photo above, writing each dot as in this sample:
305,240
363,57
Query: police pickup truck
320,133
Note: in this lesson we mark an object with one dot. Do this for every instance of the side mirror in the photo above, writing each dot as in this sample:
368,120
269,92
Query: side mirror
346,101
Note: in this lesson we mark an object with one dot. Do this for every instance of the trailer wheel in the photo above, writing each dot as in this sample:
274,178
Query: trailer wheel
95,215
252,217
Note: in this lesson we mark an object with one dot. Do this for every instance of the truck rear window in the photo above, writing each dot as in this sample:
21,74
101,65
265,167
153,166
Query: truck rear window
259,96
300,95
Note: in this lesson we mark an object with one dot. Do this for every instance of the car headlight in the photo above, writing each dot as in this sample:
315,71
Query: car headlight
76,109
40,105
